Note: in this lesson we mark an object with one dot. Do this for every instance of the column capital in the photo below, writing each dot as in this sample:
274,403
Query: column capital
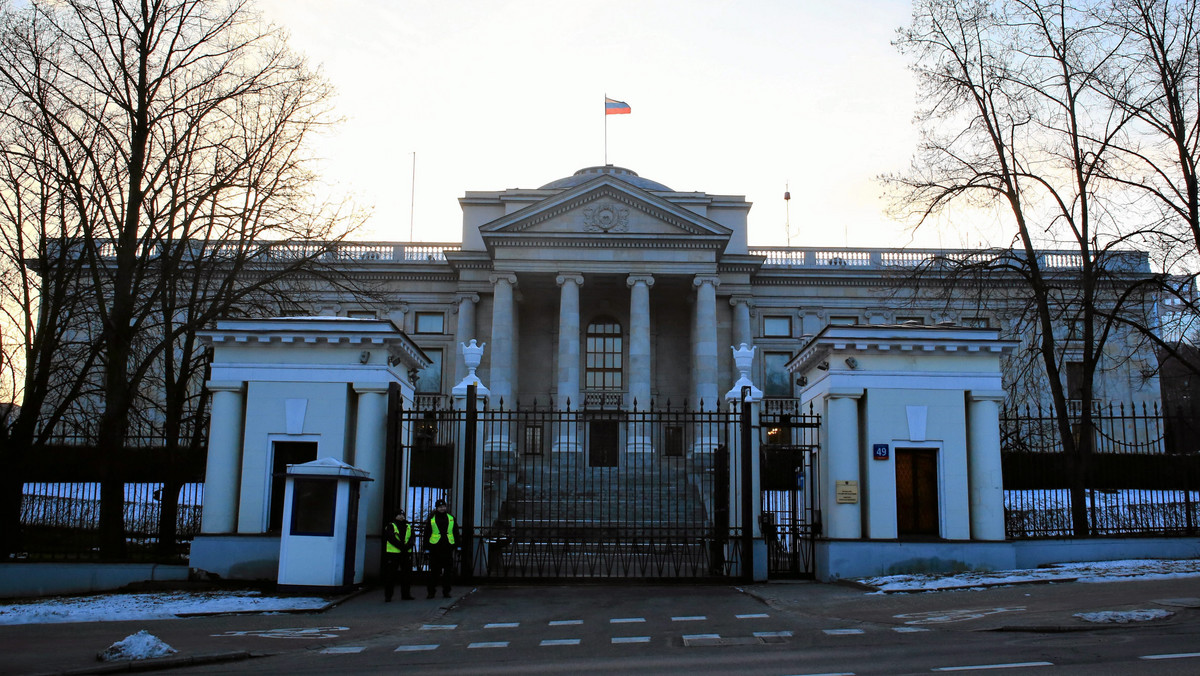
845,393
564,277
370,388
986,395
225,385
735,301
700,280
402,308
632,280
467,296
497,277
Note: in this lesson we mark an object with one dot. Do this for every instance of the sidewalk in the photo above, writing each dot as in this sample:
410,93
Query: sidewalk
355,620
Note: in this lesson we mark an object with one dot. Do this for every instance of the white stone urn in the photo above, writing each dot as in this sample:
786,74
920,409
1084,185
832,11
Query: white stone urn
743,359
472,354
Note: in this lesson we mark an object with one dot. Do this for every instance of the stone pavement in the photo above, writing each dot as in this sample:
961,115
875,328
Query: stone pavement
72,648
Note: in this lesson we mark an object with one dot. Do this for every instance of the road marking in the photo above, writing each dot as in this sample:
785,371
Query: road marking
829,673
415,648
560,641
909,630
842,632
772,634
751,616
942,616
1010,665
626,620
689,618
291,632
501,625
489,644
438,627
699,637
631,639
1169,656
343,650
563,623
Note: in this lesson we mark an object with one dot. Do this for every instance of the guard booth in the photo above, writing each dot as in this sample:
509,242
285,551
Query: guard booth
323,543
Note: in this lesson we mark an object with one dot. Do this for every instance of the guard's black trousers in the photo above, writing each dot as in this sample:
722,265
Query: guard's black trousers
441,567
397,568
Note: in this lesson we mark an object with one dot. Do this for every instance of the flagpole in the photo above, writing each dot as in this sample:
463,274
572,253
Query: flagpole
606,129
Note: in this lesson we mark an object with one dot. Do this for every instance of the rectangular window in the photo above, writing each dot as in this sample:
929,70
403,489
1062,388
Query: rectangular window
674,440
843,320
533,439
1075,379
777,326
314,506
976,322
429,379
431,322
776,383
361,314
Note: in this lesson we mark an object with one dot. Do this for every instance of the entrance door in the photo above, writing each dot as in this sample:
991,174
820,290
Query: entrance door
917,492
285,453
603,442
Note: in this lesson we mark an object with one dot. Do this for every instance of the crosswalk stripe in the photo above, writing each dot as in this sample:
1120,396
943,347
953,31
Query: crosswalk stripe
631,639
560,641
501,625
842,632
563,623
752,616
416,648
695,637
909,630
626,620
343,650
438,627
688,618
489,644
772,634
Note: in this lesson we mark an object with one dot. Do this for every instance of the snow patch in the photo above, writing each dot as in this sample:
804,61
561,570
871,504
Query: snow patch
1089,571
139,646
148,606
1125,616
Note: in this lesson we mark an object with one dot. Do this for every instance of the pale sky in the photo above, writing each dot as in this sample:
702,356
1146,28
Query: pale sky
728,97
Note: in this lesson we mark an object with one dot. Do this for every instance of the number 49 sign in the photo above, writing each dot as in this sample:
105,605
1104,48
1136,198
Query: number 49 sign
880,451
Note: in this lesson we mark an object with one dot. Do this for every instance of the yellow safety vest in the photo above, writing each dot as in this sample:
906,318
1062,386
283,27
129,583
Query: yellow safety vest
391,548
436,535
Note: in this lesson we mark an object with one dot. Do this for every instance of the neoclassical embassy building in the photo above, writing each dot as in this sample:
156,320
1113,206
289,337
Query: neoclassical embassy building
607,289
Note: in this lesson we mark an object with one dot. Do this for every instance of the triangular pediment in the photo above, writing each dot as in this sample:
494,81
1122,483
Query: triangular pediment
604,209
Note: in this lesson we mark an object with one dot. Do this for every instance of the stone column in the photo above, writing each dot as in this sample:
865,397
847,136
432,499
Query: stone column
638,438
984,470
464,331
704,342
503,342
222,478
568,339
566,438
842,520
742,333
370,440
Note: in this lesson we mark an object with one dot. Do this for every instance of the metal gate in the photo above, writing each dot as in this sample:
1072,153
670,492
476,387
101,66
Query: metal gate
578,494
791,519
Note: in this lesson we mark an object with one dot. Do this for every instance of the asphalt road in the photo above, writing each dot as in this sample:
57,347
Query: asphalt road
721,629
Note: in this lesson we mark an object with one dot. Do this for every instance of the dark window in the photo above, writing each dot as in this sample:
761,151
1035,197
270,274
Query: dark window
843,320
361,314
776,383
429,379
777,327
1075,379
916,492
604,352
674,440
977,322
603,440
533,439
430,322
314,506
285,453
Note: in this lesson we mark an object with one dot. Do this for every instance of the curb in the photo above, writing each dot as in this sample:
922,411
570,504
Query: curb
962,587
156,663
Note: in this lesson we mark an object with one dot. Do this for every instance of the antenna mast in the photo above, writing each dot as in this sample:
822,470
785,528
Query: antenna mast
787,218
412,198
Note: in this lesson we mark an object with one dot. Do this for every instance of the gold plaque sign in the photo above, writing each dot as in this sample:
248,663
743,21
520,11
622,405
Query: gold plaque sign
847,492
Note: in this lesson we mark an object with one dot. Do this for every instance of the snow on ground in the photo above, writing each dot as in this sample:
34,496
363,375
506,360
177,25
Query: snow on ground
148,606
1091,571
137,646
1125,616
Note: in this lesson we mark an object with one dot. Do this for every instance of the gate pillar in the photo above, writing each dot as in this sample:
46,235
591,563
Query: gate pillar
745,460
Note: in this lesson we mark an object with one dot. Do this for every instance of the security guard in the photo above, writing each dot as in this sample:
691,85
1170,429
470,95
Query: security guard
441,536
397,557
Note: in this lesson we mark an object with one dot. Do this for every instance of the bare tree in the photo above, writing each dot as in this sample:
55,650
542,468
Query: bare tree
1013,122
179,129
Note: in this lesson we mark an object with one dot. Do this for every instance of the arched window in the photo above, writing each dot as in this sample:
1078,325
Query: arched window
604,355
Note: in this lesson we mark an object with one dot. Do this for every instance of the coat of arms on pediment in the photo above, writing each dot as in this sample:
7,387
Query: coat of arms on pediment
606,218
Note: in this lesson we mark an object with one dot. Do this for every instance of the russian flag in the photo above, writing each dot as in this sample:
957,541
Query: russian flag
615,107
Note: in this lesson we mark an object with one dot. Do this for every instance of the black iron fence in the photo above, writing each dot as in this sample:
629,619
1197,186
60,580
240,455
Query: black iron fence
1136,471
